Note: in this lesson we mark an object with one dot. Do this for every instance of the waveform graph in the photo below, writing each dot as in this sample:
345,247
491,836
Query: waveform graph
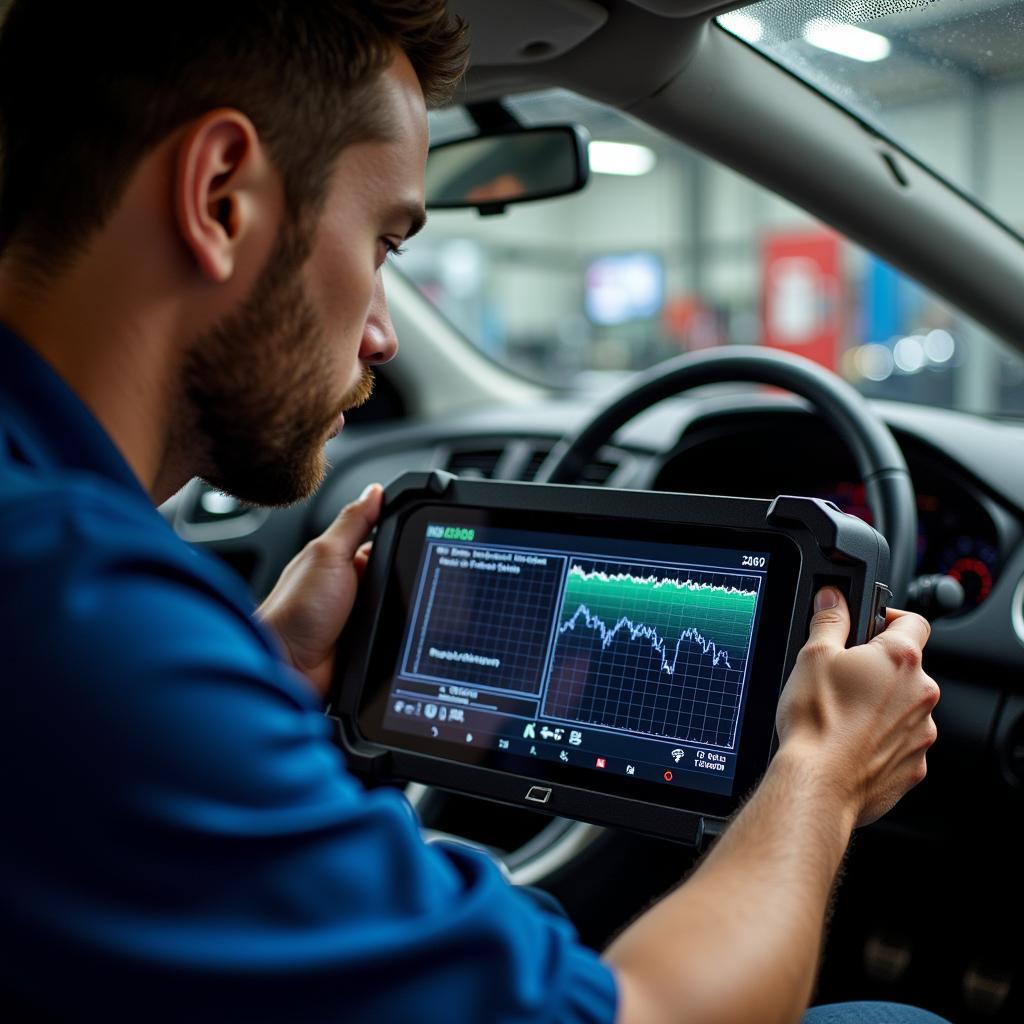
658,650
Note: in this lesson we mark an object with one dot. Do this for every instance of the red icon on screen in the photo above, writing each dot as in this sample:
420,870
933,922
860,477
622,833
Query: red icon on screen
600,762
668,776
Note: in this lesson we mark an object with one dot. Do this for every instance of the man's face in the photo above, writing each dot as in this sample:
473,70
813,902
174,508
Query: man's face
267,386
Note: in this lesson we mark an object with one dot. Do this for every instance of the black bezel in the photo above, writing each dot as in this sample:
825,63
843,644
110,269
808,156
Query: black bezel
810,542
764,683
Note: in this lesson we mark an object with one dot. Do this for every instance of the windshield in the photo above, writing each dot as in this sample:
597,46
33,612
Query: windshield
666,251
943,78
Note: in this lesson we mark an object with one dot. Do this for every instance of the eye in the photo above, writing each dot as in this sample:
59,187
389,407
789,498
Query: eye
391,248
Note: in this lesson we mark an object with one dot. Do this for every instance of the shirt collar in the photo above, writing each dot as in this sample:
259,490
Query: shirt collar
48,424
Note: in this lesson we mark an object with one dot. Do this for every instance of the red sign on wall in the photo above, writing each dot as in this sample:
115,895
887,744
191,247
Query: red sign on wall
801,299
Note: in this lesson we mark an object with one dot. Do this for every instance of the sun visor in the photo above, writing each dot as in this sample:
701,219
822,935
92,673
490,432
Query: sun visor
527,30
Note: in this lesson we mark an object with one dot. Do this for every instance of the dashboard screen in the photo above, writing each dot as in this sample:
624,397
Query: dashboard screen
612,655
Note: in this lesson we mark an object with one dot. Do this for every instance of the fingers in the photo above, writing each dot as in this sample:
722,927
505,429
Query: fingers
361,558
355,521
904,637
830,625
908,624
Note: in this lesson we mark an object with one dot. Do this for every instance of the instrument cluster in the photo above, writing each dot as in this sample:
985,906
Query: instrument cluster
956,534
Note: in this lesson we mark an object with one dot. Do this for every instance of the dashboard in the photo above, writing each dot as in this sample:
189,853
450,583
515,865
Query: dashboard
957,531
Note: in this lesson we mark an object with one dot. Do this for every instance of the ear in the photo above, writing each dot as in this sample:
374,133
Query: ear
219,187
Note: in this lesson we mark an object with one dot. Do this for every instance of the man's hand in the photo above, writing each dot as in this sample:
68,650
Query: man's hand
740,941
312,600
862,716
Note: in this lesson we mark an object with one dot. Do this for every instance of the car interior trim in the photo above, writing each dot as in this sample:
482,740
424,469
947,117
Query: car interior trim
1017,610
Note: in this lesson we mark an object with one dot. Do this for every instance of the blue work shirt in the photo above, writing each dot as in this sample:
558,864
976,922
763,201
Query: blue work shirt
180,836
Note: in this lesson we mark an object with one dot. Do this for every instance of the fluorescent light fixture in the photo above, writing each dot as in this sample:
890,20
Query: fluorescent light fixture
621,158
847,40
742,25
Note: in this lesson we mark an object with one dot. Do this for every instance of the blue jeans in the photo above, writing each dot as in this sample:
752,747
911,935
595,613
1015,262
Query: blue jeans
870,1013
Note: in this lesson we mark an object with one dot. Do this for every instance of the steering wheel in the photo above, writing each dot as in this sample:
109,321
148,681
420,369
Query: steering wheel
881,465
880,462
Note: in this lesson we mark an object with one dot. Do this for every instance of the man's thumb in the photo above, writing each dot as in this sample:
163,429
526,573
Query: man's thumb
357,519
831,621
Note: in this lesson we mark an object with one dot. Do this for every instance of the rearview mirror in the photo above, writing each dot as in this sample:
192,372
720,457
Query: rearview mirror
489,172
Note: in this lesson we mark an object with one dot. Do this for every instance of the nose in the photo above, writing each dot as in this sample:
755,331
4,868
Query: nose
379,344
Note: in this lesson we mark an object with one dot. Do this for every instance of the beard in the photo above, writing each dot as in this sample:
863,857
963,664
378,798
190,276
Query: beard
258,387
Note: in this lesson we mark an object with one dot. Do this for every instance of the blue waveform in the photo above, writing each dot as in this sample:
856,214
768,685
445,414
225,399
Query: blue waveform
690,634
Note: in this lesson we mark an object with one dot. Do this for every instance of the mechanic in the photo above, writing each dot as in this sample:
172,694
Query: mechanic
193,218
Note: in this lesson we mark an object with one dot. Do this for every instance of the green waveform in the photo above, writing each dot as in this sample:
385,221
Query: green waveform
669,606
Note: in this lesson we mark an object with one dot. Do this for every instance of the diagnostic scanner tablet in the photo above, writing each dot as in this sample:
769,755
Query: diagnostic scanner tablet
613,656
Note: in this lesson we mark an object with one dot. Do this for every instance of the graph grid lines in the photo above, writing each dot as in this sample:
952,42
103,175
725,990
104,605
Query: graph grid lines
652,649
483,620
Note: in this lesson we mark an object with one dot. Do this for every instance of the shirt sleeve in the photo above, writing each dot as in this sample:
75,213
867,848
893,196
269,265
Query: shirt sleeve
186,842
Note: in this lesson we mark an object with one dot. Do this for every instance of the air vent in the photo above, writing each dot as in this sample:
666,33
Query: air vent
597,473
533,464
475,462
594,473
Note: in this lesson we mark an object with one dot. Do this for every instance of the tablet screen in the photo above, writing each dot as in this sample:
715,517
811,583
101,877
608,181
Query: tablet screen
625,651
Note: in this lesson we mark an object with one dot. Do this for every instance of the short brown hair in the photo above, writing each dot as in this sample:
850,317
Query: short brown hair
86,90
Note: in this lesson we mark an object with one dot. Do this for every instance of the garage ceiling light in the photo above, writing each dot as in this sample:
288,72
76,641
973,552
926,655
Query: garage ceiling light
939,346
908,354
621,158
847,40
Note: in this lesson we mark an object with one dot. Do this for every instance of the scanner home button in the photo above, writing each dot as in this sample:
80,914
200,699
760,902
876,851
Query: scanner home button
538,794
